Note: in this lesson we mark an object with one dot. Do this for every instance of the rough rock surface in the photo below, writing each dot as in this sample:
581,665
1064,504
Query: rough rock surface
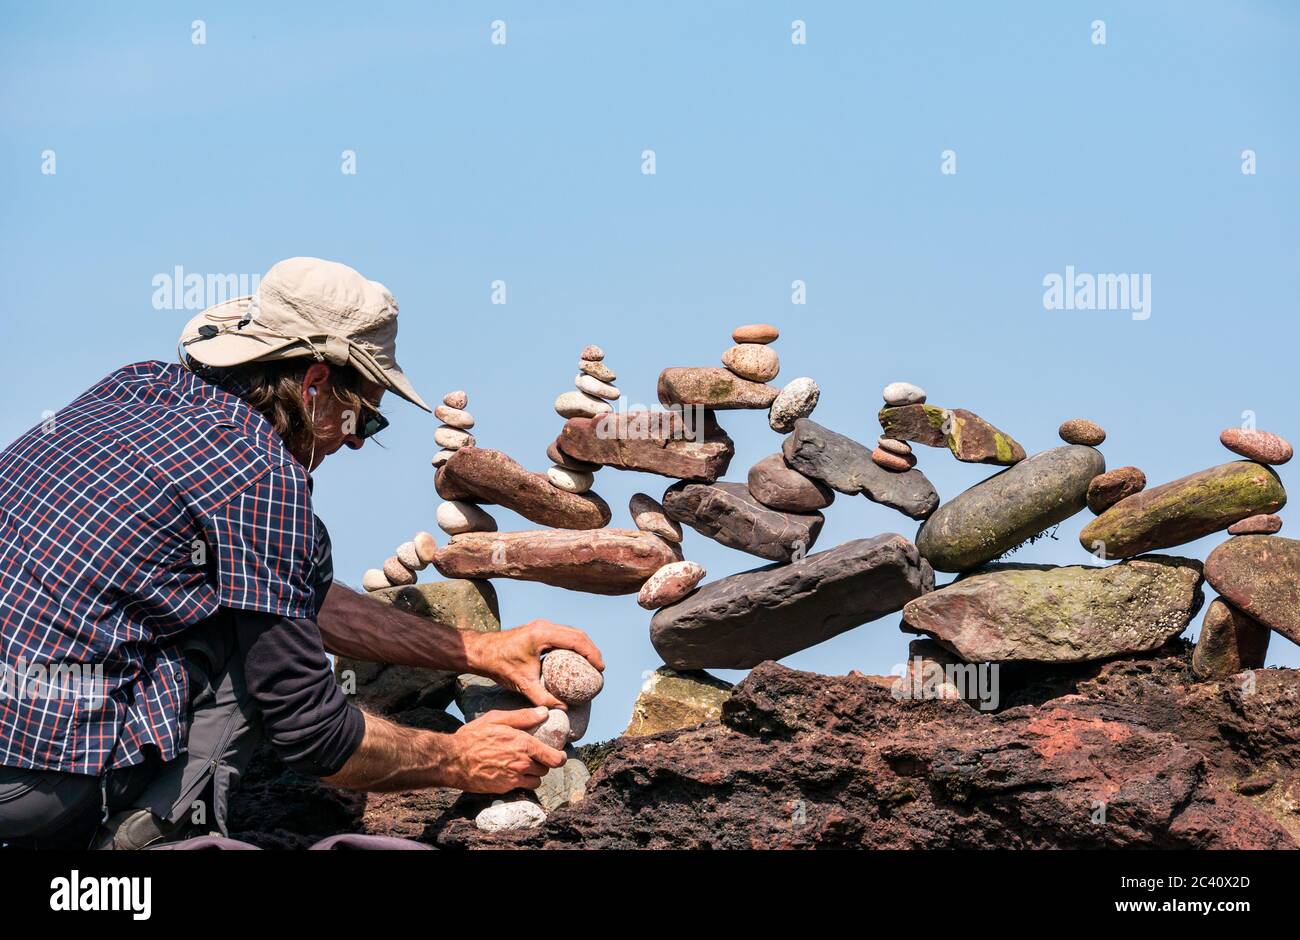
730,515
1229,642
1041,613
1260,575
802,760
650,441
998,514
970,438
1185,509
739,621
846,466
712,387
648,515
391,690
493,477
602,561
774,484
671,700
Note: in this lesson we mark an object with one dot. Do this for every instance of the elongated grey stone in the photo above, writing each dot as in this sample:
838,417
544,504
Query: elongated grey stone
995,516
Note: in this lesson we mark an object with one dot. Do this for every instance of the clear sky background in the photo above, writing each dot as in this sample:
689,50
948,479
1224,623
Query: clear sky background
775,162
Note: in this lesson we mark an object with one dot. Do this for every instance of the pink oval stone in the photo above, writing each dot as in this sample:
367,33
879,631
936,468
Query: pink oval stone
670,584
1266,523
1257,445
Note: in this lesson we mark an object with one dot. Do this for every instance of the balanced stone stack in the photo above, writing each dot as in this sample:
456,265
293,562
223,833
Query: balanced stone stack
457,516
594,391
907,417
402,566
748,366
575,682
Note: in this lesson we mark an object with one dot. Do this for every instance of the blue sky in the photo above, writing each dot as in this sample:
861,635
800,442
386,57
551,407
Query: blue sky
775,162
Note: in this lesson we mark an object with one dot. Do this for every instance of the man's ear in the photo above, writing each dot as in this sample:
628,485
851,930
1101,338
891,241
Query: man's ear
315,381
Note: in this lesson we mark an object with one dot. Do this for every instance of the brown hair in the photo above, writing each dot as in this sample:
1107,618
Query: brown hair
274,388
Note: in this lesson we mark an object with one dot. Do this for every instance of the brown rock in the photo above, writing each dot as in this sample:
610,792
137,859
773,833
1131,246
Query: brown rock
670,584
1265,523
558,456
593,353
1256,445
775,485
1229,642
731,516
755,333
717,388
898,463
396,572
1259,575
649,516
600,561
1107,489
669,443
970,438
491,476
753,361
1082,431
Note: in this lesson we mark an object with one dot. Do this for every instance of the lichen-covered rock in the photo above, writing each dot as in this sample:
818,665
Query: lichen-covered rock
1260,576
998,514
846,466
712,387
771,612
1184,510
1229,642
970,438
671,700
1041,613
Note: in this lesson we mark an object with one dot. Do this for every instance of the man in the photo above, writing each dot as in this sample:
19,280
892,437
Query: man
158,546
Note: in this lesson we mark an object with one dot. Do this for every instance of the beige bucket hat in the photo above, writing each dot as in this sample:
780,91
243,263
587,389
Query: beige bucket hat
306,307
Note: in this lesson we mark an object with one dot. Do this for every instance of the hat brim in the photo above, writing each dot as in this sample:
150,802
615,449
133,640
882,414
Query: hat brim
252,344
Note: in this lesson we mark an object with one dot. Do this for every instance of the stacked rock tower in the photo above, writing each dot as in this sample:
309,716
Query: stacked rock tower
457,516
594,390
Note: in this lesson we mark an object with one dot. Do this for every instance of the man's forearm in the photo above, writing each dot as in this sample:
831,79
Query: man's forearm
359,627
391,757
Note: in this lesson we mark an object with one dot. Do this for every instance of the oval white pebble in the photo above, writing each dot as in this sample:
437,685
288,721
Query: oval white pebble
456,399
580,405
452,438
426,547
441,457
454,417
903,393
374,580
797,400
456,517
594,386
500,817
571,481
407,555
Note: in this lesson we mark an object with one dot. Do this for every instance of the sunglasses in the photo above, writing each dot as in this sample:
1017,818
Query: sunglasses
372,423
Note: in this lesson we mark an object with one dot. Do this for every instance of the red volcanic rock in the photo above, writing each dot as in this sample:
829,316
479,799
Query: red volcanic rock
807,761
490,476
600,561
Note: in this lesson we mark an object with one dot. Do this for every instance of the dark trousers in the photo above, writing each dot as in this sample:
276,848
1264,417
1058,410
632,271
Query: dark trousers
51,809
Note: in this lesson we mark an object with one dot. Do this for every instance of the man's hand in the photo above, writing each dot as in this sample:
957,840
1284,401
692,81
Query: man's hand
494,753
513,658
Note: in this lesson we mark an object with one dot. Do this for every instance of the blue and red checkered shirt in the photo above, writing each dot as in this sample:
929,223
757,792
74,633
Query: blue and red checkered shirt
140,509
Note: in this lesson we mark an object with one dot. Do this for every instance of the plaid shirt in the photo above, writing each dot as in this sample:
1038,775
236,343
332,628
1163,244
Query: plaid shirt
142,508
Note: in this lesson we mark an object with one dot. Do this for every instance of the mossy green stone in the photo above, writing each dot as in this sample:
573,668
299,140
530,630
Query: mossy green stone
1184,510
995,516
